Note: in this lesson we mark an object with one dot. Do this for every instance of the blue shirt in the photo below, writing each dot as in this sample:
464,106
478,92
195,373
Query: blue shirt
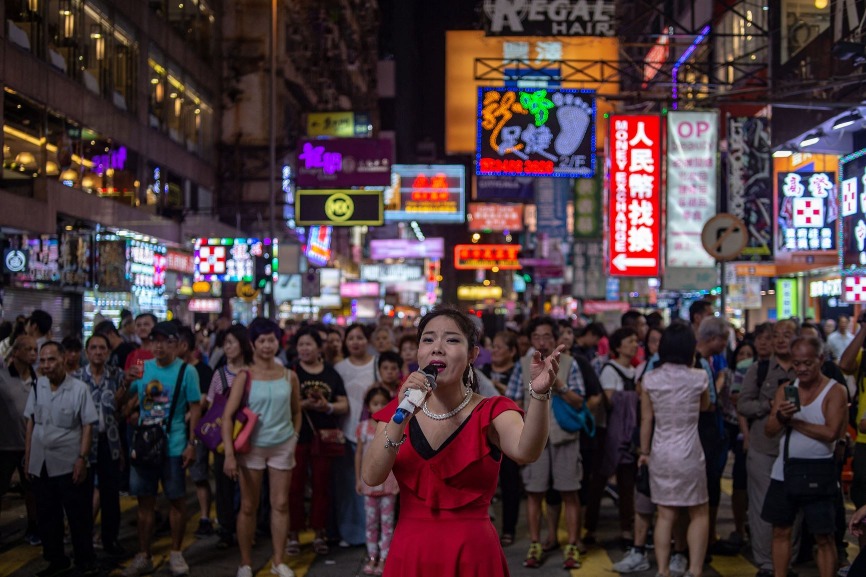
155,391
516,389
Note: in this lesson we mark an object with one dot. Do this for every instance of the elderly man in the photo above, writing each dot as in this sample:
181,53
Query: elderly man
61,416
755,403
808,423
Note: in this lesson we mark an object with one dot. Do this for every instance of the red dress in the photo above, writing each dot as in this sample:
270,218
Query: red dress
444,527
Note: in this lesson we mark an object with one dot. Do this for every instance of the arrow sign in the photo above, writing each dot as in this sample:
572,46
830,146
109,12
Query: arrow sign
622,262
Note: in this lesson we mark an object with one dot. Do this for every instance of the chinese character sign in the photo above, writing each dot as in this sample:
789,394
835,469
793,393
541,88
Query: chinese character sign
852,182
634,208
233,259
536,132
344,162
750,184
808,211
691,184
787,299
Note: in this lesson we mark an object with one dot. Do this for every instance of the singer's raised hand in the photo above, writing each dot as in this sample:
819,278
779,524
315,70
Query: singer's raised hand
543,370
416,380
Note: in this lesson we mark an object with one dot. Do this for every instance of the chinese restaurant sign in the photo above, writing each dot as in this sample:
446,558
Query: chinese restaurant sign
852,181
750,184
691,185
426,193
634,203
536,132
345,162
232,259
495,217
808,211
493,257
338,207
550,17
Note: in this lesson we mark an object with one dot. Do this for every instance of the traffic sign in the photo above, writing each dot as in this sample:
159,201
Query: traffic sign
725,236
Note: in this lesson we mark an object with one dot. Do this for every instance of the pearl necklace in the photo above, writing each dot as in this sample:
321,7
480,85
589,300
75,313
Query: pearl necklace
442,416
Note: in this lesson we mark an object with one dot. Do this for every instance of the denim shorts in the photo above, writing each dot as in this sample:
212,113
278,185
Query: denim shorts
145,481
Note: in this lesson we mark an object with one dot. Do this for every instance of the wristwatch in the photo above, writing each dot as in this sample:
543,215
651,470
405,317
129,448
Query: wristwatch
194,442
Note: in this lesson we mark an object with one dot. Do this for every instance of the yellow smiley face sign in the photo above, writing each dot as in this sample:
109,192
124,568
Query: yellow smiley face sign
339,207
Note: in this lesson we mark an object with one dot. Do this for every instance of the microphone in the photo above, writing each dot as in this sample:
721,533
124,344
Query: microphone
413,398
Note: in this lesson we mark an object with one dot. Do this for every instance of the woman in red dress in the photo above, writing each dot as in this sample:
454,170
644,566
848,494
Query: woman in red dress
446,457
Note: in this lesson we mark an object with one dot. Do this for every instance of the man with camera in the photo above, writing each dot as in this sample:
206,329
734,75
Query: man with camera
808,416
853,362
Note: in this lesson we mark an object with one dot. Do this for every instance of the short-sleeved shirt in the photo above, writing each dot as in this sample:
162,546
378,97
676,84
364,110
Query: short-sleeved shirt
516,389
58,419
14,390
611,380
328,384
155,393
205,375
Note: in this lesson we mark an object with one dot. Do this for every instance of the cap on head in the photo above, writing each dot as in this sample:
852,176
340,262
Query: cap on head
167,329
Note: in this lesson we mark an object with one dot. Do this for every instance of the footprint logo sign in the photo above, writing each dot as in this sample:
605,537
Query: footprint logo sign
536,132
574,115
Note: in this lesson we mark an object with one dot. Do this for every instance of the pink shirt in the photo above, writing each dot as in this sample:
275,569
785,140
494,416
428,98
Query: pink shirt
365,433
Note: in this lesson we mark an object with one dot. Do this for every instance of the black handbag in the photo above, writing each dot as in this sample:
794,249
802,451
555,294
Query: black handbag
642,481
149,447
807,479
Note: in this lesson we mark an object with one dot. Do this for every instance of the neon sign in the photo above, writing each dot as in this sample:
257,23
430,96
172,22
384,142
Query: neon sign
426,193
318,251
536,132
233,259
114,160
344,162
493,257
808,211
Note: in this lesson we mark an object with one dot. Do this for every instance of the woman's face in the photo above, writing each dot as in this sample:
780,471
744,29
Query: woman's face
628,348
445,346
356,342
566,337
232,348
409,352
382,341
335,343
652,342
266,346
308,350
745,352
500,353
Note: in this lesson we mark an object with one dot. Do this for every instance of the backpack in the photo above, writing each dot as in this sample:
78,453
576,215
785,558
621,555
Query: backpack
628,383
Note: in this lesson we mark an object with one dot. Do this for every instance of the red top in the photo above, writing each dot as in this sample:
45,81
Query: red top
452,485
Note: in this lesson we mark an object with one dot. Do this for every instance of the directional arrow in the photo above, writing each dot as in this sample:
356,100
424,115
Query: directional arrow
622,262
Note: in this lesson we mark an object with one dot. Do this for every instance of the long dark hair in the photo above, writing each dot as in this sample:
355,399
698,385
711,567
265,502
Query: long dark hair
678,345
466,326
364,331
242,335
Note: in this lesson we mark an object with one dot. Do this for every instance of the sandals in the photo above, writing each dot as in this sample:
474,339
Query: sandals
320,547
293,547
370,566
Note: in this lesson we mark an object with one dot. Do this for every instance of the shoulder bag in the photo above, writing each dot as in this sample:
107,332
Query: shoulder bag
209,428
570,419
807,479
326,442
149,447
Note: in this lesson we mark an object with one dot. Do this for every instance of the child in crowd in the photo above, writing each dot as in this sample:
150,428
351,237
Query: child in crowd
380,501
390,375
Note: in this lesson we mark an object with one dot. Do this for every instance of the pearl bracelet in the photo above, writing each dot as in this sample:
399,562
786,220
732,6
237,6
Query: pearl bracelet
391,444
538,396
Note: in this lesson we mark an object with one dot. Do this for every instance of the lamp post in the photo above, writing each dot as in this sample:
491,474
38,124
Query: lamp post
272,135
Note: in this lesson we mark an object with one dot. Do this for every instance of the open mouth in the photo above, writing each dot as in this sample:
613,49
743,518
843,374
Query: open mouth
439,365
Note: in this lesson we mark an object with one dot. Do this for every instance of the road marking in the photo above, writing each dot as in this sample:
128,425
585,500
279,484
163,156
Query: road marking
300,564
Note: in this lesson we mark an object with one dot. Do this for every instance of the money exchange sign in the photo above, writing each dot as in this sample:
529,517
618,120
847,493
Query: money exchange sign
536,132
634,202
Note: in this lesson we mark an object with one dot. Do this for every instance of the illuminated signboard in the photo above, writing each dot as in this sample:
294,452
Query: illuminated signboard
750,183
403,248
852,181
339,207
233,259
825,288
634,202
353,290
495,217
391,273
180,262
493,257
808,211
318,249
787,301
205,305
550,18
345,162
426,193
478,293
340,124
691,185
536,132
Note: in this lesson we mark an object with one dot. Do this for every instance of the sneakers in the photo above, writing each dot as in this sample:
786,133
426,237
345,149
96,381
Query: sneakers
679,564
141,564
633,562
205,529
570,557
282,570
33,539
177,564
244,571
534,556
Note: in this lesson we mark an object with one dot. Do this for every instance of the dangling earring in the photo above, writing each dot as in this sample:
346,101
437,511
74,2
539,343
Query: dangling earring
470,378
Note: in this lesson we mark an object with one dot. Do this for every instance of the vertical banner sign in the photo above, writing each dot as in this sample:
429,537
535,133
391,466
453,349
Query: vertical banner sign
691,183
750,183
635,190
551,202
587,208
852,182
808,211
787,300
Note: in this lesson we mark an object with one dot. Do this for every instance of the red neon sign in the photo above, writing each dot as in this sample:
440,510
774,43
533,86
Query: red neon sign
486,257
634,206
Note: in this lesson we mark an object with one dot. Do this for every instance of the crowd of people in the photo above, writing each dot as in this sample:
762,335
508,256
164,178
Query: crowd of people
645,413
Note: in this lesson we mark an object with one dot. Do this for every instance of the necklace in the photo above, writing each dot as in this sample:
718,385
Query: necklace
442,416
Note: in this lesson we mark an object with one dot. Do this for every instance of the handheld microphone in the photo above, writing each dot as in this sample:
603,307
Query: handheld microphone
413,398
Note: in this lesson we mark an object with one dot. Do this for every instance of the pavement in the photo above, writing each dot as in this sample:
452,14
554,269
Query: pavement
18,559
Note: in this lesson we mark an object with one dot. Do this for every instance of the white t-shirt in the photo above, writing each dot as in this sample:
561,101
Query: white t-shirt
610,379
837,343
357,379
